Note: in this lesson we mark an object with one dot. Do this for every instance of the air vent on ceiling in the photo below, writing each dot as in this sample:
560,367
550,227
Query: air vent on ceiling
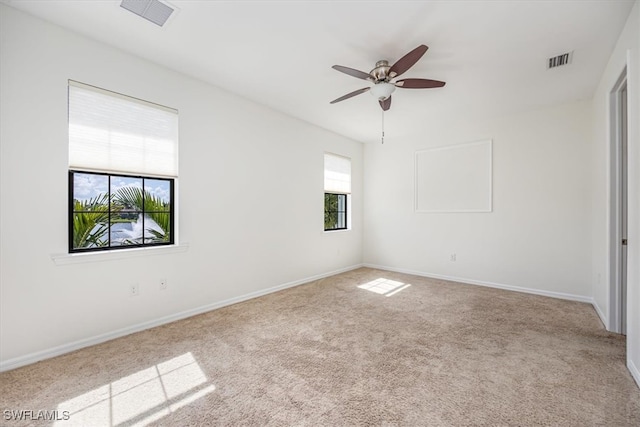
560,60
151,10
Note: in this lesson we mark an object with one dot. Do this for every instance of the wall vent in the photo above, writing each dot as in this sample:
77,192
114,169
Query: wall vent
560,60
151,10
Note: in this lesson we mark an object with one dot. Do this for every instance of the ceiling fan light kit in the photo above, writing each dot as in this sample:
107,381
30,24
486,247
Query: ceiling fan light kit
382,90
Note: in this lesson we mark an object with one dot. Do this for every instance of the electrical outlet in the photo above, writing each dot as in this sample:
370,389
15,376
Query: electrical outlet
163,284
453,257
134,290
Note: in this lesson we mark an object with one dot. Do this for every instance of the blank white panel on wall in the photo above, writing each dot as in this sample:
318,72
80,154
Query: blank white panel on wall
455,178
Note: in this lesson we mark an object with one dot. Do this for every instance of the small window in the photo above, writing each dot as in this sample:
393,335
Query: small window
335,211
111,211
123,164
337,192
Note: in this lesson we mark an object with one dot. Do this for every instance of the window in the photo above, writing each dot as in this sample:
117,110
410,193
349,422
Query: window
110,211
335,211
337,191
122,169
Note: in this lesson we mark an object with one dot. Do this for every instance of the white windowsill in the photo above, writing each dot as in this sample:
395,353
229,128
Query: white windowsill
65,259
336,231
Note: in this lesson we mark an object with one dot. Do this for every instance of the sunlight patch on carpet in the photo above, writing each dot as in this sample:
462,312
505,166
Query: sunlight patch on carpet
140,398
386,287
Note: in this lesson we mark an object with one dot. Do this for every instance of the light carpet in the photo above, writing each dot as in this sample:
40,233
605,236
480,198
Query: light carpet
366,347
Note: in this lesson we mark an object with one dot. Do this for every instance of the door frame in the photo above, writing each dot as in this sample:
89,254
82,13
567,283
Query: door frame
616,276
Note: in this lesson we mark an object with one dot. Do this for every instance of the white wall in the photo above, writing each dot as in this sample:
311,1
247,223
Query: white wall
626,53
250,197
537,237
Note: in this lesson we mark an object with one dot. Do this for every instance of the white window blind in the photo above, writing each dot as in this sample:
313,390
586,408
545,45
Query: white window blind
111,132
337,174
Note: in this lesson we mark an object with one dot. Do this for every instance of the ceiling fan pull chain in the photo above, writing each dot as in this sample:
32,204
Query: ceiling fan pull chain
383,126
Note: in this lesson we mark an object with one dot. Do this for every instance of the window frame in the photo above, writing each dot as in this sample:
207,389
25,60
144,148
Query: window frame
345,212
109,247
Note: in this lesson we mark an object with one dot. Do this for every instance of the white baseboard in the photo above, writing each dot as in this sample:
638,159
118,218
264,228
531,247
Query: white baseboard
601,315
87,342
635,373
552,294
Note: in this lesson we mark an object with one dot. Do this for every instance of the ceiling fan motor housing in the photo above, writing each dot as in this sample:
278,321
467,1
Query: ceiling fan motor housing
381,72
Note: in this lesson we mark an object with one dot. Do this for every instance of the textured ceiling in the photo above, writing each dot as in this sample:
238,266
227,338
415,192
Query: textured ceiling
492,54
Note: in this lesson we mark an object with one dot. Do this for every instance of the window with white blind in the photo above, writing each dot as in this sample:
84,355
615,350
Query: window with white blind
337,191
123,163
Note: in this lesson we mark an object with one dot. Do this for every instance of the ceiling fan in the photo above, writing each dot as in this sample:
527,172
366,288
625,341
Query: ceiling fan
383,74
